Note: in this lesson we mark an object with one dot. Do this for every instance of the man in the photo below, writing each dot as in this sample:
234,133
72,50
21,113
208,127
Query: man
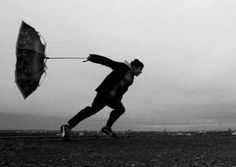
109,93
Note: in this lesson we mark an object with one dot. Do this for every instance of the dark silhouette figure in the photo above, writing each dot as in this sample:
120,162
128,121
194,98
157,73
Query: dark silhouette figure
109,93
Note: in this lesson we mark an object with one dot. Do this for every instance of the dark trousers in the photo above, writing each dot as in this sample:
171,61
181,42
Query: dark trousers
99,103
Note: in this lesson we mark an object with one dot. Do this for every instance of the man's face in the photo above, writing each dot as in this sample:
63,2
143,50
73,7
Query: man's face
137,70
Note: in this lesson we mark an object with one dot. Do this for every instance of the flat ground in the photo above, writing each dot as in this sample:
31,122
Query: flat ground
132,149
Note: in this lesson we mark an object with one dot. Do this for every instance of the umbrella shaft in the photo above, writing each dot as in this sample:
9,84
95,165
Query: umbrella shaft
66,57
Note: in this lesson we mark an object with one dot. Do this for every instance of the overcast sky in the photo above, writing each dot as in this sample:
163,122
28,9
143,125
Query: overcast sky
187,46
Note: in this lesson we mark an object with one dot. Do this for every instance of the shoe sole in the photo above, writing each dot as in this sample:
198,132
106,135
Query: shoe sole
110,134
65,134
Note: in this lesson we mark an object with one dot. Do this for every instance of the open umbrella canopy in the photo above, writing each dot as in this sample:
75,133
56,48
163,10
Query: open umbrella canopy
30,55
31,59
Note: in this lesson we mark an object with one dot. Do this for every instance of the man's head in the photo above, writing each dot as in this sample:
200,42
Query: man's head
137,67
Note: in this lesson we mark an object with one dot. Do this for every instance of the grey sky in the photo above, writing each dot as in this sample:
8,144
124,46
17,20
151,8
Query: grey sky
187,46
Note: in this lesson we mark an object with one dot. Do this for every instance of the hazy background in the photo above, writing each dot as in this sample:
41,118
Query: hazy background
187,46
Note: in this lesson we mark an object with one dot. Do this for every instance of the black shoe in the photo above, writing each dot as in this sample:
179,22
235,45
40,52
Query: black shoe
108,132
65,132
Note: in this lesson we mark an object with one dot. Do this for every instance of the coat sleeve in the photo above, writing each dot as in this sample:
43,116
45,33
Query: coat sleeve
105,61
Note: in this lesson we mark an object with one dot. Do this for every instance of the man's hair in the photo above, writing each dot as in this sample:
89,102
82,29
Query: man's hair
137,63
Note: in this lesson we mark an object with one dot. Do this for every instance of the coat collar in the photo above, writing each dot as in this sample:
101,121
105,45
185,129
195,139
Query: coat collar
128,64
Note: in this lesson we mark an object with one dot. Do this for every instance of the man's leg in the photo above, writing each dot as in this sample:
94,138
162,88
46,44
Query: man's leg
115,114
98,104
119,109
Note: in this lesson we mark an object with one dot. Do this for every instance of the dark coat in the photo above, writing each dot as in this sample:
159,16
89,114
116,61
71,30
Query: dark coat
118,73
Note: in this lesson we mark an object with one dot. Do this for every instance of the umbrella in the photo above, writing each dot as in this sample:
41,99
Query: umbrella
31,59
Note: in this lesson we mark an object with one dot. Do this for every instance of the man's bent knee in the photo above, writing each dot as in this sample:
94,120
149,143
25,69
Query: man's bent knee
122,110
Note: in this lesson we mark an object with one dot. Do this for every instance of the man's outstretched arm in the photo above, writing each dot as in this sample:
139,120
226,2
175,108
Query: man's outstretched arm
104,61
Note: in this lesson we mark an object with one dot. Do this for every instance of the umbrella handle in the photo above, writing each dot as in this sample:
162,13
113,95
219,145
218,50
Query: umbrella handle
66,58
